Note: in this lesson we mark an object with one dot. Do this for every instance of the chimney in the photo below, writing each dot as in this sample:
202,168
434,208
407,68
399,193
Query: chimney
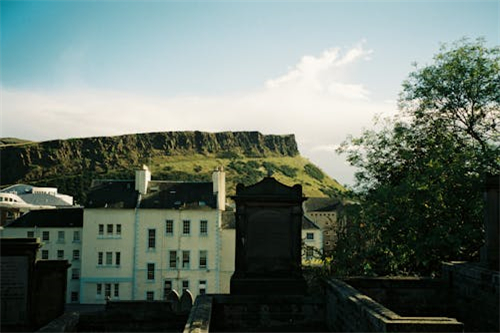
219,186
142,178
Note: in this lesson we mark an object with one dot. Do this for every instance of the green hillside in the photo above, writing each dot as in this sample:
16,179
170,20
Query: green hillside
247,157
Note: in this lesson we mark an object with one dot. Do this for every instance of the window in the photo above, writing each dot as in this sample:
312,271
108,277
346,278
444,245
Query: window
151,238
75,273
107,290
117,290
186,227
202,287
101,229
185,259
74,296
76,254
45,236
76,236
151,271
203,259
30,234
172,259
60,254
60,236
309,253
309,235
99,289
45,254
203,227
167,288
117,258
109,229
150,296
169,227
99,258
185,285
119,229
109,258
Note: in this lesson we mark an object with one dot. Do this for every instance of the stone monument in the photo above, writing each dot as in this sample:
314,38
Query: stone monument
268,239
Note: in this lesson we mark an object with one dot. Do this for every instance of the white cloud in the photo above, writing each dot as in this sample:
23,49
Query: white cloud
309,101
322,75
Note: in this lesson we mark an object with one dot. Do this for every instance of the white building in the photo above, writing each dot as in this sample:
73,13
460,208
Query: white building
60,232
19,199
145,238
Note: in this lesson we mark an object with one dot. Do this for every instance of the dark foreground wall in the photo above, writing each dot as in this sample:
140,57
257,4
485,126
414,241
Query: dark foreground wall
407,296
474,295
348,310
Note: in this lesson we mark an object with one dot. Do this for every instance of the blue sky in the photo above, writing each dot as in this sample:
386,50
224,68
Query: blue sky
318,69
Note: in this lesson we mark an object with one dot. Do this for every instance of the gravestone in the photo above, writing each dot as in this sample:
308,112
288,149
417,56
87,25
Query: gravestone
174,299
17,277
186,301
268,239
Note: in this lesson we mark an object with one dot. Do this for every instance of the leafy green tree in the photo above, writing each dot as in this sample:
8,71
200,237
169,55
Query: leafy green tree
420,177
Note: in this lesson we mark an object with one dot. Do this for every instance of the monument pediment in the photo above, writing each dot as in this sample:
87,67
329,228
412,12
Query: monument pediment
269,189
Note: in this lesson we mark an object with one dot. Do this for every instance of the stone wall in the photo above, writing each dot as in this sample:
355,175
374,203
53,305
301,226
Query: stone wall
266,313
134,316
474,295
407,296
348,310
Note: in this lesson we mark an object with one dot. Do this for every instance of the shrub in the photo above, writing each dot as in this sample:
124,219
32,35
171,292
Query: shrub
314,171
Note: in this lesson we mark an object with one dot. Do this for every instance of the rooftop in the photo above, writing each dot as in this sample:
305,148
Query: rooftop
50,218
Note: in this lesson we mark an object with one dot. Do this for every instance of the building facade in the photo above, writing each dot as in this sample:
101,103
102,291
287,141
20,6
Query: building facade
323,212
60,233
145,239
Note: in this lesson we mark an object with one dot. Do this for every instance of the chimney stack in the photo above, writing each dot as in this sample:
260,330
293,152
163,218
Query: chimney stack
142,179
219,187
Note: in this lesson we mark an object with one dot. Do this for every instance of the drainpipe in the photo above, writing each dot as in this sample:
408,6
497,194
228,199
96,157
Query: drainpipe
136,236
217,251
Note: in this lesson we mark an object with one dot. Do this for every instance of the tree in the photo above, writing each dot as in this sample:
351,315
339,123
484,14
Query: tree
461,90
419,179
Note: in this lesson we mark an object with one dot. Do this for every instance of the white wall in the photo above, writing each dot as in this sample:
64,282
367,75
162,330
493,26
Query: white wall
92,272
53,245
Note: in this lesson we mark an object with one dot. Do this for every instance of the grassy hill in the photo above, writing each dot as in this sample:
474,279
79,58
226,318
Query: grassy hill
247,157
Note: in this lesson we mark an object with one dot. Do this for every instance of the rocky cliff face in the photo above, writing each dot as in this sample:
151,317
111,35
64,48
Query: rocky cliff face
35,161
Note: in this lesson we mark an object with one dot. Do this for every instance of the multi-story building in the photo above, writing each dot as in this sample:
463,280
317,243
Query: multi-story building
60,232
147,238
323,212
19,199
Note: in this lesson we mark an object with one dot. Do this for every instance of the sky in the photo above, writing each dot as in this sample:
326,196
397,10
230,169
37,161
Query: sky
321,70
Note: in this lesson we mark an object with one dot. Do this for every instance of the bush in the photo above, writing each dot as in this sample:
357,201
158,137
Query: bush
314,171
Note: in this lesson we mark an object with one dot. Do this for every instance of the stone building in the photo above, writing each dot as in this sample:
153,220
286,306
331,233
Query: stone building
323,212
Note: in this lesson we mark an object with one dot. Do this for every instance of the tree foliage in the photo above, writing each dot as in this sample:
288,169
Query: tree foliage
420,176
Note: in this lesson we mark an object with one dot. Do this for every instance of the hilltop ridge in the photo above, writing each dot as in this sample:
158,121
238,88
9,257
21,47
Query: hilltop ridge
185,155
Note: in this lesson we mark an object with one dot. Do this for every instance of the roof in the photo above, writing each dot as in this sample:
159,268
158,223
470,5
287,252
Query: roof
50,218
18,189
174,195
43,199
25,192
321,204
229,222
308,224
113,194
